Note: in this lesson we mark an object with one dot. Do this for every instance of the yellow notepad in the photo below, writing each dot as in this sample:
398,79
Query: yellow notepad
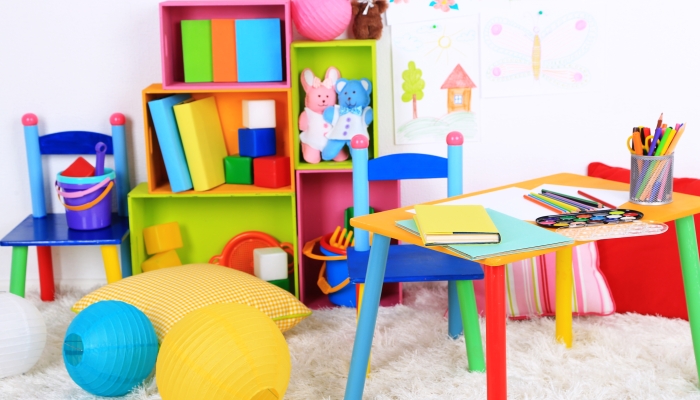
203,141
463,224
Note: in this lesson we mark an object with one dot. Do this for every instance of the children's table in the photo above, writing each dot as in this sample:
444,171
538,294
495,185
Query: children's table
383,226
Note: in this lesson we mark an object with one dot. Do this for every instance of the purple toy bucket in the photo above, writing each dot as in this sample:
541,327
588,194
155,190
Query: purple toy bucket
88,201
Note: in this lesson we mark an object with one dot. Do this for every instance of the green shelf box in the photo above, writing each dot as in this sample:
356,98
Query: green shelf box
209,221
355,59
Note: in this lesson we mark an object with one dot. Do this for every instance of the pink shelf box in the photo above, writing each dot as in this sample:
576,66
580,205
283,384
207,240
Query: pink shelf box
172,12
322,197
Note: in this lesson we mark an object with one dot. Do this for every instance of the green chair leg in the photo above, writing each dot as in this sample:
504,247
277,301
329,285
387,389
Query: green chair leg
470,320
18,274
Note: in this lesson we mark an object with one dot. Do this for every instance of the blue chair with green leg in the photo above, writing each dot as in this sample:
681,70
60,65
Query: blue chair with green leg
407,263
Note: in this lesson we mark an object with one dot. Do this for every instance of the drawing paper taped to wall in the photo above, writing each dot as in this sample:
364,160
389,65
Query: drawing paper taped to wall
540,50
435,69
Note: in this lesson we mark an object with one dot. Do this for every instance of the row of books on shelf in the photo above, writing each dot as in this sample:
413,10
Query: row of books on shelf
194,148
227,50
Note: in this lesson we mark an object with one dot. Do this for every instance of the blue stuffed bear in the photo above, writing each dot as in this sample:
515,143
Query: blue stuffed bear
350,117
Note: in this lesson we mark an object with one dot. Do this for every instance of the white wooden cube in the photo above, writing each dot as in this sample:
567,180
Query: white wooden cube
259,114
270,263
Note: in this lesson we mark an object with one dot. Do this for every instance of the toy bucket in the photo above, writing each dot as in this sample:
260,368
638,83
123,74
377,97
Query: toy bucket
333,278
87,200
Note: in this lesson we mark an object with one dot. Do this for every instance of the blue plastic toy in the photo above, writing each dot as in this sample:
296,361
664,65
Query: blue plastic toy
259,142
350,117
259,50
110,348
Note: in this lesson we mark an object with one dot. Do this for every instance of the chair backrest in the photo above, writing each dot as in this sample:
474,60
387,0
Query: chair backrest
397,167
74,142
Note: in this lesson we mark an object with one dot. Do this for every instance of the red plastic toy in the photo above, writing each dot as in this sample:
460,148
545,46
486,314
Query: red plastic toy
271,172
80,168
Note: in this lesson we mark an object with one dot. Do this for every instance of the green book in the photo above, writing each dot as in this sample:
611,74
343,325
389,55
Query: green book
517,236
196,51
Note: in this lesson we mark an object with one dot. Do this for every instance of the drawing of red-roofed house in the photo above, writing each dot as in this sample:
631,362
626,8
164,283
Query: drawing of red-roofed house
459,90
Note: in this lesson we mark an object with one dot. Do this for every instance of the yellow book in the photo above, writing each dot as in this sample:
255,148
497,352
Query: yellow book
203,141
463,224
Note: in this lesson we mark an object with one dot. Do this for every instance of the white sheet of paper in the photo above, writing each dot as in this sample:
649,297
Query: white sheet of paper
614,197
508,201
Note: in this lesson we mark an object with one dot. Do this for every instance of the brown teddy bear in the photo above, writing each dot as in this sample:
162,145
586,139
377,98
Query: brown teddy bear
367,15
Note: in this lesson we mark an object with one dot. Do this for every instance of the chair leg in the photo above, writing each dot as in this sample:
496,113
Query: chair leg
18,274
368,318
454,322
110,257
46,280
359,292
125,249
470,320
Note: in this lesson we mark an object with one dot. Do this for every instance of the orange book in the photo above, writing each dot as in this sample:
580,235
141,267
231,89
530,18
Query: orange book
223,43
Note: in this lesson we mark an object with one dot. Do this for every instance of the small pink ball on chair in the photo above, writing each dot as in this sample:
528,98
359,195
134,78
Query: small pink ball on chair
29,119
321,20
117,119
359,142
455,138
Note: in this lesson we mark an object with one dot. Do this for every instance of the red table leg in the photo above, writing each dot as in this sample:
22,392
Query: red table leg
496,387
46,282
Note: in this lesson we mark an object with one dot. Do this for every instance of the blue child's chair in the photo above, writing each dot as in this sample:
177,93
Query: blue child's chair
43,230
408,263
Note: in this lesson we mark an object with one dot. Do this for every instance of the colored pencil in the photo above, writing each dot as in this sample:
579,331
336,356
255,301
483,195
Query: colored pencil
649,184
543,200
606,204
545,205
580,206
574,198
556,203
660,121
676,138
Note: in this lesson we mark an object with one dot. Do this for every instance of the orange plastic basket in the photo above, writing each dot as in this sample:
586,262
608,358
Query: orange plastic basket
238,252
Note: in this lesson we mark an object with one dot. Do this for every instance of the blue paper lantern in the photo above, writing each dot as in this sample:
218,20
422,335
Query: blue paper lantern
110,348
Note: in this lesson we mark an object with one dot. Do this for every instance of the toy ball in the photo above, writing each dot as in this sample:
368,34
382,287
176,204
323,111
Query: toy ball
321,20
110,348
224,351
22,335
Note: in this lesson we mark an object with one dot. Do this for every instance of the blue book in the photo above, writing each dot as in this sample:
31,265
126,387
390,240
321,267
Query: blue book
259,50
517,236
169,140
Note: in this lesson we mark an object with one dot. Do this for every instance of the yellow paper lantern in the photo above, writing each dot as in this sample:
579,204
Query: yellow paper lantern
224,351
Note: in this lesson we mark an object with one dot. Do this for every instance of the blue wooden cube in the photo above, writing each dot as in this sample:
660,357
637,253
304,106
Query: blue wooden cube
259,50
258,142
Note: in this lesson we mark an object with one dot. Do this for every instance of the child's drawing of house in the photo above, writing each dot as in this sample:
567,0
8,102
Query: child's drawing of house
459,90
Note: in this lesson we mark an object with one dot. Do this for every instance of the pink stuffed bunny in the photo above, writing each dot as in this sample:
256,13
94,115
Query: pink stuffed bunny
319,96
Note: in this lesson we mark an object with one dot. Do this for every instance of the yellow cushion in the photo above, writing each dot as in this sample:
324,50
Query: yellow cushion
166,295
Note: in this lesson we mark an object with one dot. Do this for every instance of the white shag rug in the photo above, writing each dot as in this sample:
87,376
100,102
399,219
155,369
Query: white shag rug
618,357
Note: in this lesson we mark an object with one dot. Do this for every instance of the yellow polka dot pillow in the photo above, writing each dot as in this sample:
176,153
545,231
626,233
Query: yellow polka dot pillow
166,295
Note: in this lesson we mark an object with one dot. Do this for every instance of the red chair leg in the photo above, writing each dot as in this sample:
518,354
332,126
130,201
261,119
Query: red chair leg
46,273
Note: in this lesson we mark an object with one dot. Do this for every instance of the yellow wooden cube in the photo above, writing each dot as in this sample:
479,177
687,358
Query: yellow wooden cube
162,237
161,260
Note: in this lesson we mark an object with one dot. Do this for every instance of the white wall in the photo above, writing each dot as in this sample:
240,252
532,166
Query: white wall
74,63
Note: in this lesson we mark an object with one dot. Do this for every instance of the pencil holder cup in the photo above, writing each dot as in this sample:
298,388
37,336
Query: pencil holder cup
651,180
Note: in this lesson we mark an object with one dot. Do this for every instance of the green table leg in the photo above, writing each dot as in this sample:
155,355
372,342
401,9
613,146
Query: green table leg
18,275
690,265
470,321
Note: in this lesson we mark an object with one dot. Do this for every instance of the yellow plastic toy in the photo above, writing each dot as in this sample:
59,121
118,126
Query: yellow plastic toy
162,237
161,260
224,351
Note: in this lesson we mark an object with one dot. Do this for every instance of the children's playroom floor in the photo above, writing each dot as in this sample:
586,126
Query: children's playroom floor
618,357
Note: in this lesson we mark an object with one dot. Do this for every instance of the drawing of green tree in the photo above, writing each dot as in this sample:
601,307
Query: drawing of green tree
413,86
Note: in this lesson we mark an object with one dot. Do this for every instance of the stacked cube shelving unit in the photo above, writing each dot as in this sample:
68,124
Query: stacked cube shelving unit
312,205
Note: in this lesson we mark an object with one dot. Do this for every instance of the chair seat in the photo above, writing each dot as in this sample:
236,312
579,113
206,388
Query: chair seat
408,263
53,230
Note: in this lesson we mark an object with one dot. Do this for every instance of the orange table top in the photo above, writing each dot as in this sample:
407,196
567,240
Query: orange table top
383,223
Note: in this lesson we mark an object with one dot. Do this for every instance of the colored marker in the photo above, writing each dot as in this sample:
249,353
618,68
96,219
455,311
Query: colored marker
662,144
676,138
655,141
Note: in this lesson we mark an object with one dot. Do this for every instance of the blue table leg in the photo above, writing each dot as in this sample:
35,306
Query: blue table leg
454,318
368,317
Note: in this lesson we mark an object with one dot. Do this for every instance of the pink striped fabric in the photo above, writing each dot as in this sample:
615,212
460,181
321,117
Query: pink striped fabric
530,286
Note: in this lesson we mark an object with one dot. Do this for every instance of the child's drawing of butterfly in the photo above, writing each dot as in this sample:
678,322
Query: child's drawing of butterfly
549,54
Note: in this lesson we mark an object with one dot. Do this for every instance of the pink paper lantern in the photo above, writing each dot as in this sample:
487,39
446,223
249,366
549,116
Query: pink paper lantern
321,19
